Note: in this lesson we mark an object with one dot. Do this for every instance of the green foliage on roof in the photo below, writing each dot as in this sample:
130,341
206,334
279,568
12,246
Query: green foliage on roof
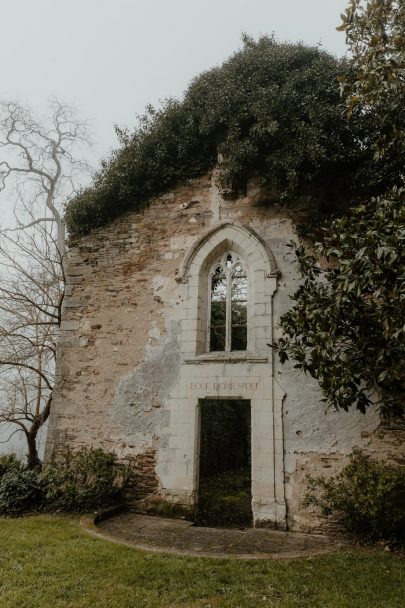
272,110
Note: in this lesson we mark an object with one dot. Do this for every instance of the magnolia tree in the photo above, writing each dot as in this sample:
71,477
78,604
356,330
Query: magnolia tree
40,170
346,325
375,35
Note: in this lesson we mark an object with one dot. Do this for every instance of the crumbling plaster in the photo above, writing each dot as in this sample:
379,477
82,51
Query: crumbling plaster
120,351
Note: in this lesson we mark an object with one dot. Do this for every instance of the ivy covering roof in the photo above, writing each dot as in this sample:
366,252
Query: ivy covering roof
272,110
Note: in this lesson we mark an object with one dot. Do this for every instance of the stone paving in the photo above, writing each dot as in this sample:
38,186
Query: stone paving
181,537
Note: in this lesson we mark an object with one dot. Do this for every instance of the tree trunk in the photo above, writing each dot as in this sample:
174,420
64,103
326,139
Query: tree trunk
33,461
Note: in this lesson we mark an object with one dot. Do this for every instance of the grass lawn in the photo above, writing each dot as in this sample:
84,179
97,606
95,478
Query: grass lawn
48,561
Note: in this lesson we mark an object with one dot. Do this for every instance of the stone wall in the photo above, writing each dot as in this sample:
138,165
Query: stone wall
145,482
120,350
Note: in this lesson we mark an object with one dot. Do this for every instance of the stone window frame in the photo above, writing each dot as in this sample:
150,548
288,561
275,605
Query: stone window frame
262,283
228,273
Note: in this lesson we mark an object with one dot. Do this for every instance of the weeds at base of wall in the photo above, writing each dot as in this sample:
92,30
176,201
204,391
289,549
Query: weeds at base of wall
167,509
225,500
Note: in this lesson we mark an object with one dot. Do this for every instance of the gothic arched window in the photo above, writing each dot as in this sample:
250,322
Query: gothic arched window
228,305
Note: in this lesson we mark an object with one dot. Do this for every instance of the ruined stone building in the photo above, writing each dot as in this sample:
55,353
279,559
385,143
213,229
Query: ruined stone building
176,304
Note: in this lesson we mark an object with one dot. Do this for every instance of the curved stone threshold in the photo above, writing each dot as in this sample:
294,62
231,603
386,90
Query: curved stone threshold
181,538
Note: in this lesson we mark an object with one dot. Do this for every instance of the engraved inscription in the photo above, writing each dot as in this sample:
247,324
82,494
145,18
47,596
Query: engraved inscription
224,385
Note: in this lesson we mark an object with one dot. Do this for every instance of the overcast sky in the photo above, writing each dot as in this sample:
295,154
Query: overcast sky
109,58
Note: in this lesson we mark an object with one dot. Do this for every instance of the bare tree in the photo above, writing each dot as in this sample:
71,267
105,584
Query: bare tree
38,166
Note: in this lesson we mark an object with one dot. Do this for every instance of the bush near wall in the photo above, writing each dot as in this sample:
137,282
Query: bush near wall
77,482
367,498
20,488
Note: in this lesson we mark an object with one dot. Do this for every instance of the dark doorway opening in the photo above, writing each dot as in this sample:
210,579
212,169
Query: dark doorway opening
224,492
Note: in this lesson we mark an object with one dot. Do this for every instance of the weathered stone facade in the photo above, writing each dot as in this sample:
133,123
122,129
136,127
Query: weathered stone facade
133,363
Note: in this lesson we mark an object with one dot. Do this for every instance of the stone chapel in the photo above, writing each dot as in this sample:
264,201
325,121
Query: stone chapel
176,305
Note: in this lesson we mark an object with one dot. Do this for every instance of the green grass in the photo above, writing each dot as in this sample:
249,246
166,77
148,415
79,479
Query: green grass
48,561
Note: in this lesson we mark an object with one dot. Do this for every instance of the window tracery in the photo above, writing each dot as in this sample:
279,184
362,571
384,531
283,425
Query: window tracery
228,283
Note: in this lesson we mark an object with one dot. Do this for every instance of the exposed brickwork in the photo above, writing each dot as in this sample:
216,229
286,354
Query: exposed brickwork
103,334
145,482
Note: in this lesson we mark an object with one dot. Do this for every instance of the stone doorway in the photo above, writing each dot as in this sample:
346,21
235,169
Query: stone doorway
225,465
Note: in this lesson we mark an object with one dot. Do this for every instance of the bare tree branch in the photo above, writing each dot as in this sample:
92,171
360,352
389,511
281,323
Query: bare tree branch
42,165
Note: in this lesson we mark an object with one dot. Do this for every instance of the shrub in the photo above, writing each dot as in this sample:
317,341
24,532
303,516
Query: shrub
20,490
83,480
9,462
78,481
367,498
